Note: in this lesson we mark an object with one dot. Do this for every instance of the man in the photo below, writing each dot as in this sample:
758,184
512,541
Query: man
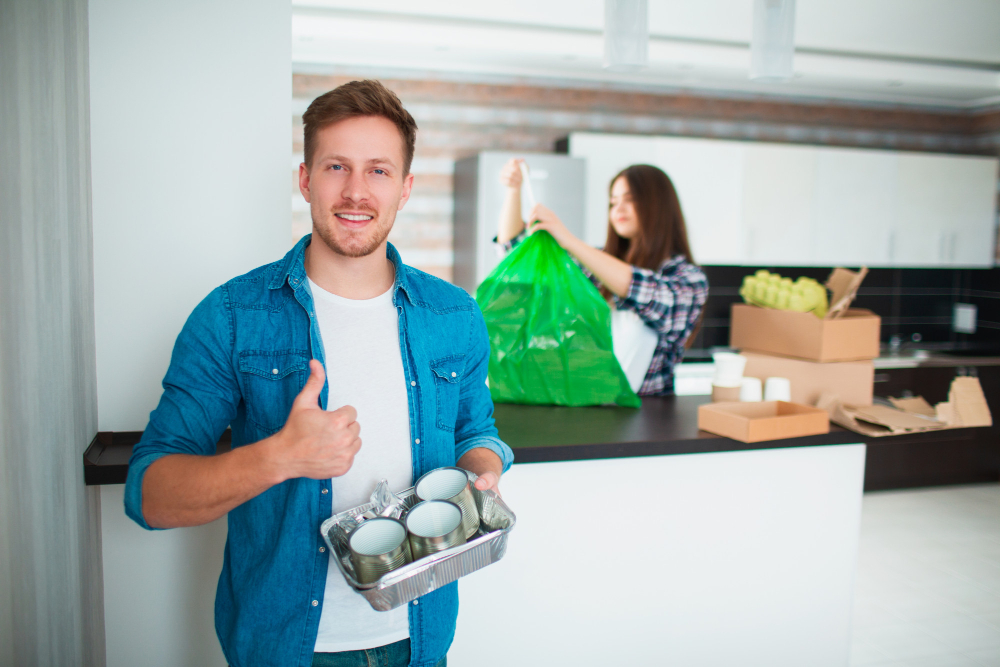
304,357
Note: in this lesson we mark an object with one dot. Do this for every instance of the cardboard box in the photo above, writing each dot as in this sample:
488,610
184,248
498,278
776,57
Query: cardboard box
757,422
851,381
966,407
852,336
844,334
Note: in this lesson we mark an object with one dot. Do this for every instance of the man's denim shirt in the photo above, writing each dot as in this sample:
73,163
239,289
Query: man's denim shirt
240,360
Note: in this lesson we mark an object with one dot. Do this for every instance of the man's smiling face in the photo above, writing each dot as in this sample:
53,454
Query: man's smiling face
356,184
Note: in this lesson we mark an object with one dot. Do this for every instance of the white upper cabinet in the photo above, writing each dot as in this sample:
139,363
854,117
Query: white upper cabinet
854,200
945,211
789,205
778,184
700,169
606,154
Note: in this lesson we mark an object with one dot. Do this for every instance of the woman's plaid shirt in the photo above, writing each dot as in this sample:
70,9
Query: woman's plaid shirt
669,300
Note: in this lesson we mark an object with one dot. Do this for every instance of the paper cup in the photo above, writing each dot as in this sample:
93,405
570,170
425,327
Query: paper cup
728,369
751,390
777,389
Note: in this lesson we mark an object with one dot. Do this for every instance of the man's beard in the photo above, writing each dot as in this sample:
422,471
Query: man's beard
354,243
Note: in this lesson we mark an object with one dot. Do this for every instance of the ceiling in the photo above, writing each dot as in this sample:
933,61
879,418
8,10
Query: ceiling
929,53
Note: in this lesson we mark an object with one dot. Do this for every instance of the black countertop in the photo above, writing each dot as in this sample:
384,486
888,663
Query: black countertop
664,425
667,426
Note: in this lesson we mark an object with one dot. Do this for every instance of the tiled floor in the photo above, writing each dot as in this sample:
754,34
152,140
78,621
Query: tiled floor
928,584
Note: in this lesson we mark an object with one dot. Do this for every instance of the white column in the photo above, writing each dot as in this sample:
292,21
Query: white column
50,553
191,138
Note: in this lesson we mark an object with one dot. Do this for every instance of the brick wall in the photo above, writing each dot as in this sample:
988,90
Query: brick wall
461,118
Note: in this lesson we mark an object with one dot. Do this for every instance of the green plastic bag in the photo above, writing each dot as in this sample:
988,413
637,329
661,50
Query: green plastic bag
550,331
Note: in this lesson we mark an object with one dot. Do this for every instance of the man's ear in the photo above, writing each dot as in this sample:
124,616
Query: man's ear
407,187
304,181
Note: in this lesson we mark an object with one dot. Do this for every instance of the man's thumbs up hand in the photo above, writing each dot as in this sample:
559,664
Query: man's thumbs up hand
315,443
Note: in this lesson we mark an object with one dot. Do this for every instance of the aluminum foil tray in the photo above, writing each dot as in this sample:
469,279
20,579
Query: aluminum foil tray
423,576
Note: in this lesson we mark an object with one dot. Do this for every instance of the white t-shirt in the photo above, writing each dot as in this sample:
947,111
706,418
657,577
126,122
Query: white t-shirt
365,370
634,343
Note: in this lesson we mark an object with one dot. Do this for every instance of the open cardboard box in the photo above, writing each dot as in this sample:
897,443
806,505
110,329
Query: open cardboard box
845,334
966,407
760,421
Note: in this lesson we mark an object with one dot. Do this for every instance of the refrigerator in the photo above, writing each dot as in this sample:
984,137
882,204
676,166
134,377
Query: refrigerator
558,182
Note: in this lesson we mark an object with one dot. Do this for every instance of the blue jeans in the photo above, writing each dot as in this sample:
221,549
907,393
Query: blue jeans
390,655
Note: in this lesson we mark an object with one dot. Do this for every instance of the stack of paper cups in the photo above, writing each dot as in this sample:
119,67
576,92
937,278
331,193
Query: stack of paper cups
728,376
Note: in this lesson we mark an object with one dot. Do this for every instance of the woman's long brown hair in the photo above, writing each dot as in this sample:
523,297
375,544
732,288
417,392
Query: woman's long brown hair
662,233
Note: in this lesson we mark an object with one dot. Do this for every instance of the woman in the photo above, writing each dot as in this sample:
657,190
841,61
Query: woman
645,267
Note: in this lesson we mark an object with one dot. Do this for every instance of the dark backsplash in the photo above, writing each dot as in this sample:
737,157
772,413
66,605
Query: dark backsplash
910,301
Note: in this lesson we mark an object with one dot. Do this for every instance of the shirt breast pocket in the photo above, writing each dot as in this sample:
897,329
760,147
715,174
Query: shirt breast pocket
271,381
448,372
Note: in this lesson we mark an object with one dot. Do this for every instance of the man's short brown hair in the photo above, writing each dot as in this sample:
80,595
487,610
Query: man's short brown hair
359,98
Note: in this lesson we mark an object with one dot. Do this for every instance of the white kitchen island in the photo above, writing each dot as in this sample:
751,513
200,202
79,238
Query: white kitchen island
742,557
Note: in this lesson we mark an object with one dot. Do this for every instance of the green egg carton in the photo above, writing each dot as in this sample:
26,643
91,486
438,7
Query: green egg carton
770,290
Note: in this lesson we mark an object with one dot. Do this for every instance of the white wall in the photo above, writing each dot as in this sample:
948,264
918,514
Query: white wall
191,137
159,590
50,554
190,131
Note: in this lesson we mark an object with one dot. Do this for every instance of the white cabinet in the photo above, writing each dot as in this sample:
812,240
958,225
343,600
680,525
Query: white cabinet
778,183
854,196
606,154
700,169
789,205
942,217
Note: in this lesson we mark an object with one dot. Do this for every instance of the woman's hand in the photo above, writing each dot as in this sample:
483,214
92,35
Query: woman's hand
543,218
510,175
613,272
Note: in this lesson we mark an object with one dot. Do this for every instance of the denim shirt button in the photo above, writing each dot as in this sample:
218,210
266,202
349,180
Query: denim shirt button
415,602
315,603
325,491
413,383
322,549
417,441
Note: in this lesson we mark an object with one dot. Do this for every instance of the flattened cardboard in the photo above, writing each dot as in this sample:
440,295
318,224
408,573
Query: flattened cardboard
917,405
896,420
853,336
761,421
851,381
966,407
